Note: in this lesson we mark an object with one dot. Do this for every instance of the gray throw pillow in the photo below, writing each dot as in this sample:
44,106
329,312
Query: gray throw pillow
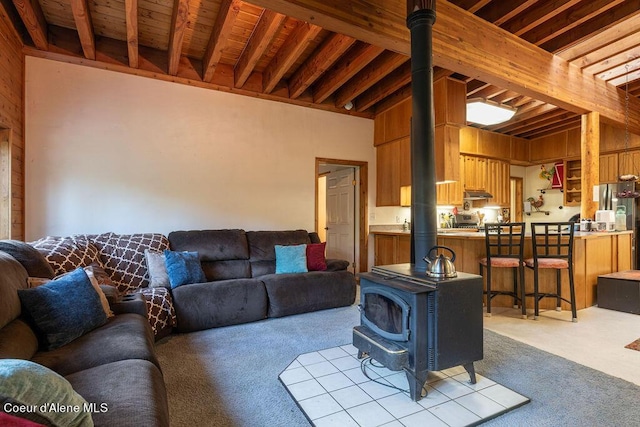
158,276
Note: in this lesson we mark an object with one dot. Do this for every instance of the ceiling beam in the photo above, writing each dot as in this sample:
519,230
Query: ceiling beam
394,81
497,14
179,20
261,38
537,16
319,62
348,66
33,18
288,53
602,41
370,75
464,43
131,18
608,19
82,18
229,10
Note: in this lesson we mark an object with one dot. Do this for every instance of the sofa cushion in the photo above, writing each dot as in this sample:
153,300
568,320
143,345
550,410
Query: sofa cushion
212,245
65,254
125,336
223,270
291,259
262,253
13,277
183,268
64,308
226,302
224,254
17,341
26,383
126,393
31,259
316,260
316,290
122,256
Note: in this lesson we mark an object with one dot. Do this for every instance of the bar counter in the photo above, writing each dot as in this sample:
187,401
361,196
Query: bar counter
594,253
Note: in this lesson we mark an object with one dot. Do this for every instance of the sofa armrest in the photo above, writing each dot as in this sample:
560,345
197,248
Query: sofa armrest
131,303
337,264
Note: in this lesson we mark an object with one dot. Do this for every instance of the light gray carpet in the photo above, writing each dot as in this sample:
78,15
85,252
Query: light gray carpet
229,376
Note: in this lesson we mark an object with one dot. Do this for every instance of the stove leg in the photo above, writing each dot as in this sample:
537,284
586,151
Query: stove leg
416,383
472,372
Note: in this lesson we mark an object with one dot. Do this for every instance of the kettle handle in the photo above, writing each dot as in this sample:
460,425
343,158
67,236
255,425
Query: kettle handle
453,254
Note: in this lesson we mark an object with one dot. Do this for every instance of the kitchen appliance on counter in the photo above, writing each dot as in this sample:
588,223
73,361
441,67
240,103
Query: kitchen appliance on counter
605,220
468,221
623,193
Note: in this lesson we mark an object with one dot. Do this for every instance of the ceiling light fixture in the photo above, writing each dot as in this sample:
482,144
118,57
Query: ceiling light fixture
348,106
485,112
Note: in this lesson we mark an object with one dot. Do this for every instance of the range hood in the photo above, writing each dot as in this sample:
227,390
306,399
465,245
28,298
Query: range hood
477,195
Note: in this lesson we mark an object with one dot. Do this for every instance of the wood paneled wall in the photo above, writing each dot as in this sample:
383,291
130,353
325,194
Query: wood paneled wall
12,115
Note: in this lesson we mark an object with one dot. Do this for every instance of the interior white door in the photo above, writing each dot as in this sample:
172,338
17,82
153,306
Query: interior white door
341,215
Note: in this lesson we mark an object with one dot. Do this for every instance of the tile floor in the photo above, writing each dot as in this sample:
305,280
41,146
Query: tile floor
331,390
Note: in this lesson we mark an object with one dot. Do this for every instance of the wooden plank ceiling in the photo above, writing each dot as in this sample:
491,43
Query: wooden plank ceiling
236,46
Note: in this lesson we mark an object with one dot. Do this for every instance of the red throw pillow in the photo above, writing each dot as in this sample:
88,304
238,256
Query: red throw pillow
315,257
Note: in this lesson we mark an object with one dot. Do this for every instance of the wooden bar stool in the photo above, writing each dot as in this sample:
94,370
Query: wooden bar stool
504,244
552,248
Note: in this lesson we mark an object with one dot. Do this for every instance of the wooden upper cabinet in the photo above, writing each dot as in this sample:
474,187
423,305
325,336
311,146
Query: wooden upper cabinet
469,140
498,180
608,168
405,161
548,148
629,162
475,173
388,174
519,151
493,144
574,142
450,101
397,121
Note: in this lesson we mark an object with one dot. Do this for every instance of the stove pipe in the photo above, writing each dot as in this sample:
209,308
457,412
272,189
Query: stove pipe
420,19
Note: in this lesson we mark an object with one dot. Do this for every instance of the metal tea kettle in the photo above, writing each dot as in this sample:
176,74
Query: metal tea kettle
440,267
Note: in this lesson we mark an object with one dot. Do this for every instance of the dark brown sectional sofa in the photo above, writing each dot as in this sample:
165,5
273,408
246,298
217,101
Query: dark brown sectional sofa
115,364
242,285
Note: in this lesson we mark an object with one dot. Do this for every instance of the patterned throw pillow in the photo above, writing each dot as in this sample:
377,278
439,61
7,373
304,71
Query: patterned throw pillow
122,256
65,254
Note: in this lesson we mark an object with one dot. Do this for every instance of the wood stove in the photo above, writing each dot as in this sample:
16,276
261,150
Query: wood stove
416,324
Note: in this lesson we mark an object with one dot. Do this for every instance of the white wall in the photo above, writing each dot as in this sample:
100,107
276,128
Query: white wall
114,152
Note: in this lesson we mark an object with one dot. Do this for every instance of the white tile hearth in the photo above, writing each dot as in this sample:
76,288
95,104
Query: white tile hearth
331,390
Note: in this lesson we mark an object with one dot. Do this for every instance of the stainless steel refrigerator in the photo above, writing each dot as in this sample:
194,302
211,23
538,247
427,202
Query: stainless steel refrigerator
622,194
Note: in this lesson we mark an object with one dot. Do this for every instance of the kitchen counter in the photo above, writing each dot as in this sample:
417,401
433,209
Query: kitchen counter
595,253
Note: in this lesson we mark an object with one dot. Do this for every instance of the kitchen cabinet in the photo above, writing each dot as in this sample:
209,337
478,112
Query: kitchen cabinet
608,168
388,174
475,173
572,184
498,180
392,249
629,162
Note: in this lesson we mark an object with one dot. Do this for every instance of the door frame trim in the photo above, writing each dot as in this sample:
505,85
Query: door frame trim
363,208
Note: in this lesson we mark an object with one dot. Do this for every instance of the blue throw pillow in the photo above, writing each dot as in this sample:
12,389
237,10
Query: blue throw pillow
40,392
183,268
64,309
291,259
